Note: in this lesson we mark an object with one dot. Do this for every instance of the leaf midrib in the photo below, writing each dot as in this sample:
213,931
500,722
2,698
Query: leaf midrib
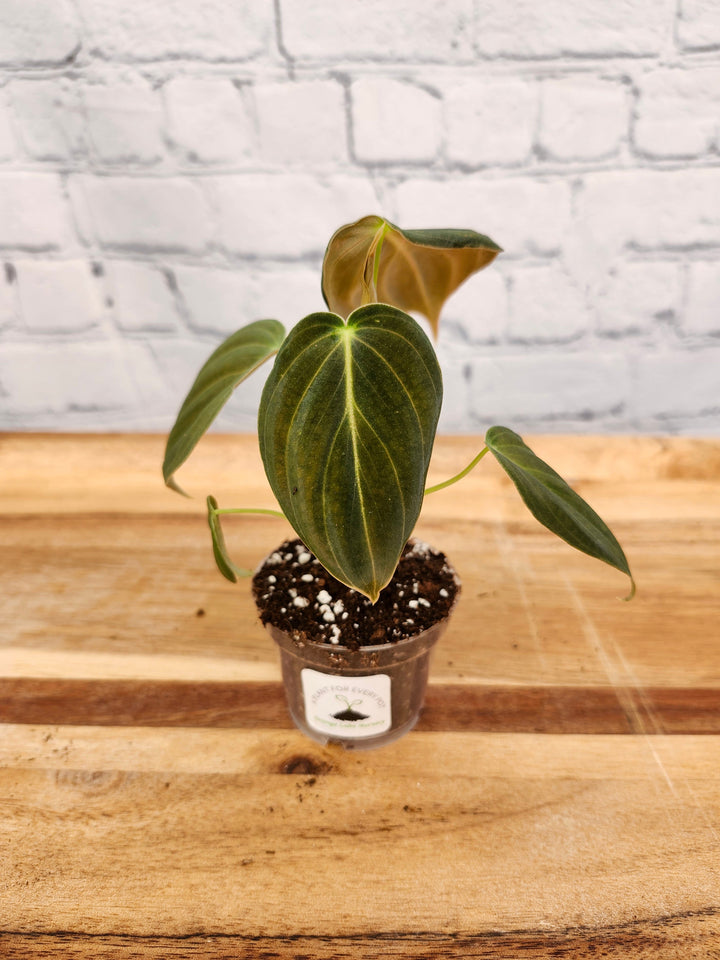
350,414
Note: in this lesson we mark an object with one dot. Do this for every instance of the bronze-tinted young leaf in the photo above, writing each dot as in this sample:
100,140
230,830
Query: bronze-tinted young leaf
346,427
415,270
553,502
232,362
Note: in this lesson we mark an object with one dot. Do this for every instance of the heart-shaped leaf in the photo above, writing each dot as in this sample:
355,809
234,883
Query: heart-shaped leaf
553,502
233,361
415,270
346,427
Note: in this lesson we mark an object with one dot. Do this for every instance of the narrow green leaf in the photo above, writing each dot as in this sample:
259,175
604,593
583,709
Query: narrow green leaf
416,270
225,565
233,361
553,502
346,427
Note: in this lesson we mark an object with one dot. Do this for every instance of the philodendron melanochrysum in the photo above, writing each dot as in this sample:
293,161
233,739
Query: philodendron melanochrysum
349,411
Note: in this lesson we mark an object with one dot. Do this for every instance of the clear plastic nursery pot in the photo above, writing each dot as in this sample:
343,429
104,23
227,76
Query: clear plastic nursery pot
357,698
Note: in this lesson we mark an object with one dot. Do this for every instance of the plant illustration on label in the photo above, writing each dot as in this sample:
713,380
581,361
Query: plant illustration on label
349,713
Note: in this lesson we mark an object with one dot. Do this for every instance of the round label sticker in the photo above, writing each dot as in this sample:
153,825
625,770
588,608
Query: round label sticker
349,706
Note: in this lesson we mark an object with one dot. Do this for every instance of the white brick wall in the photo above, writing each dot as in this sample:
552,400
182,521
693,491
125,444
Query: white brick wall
172,170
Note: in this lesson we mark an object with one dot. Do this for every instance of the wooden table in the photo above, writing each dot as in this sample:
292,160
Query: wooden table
559,798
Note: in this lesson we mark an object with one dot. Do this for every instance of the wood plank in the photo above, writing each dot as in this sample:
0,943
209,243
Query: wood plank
232,463
449,707
531,611
549,843
559,797
692,935
668,761
442,843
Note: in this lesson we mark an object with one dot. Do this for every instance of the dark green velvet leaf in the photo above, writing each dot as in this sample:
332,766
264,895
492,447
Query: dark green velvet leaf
346,426
233,361
553,502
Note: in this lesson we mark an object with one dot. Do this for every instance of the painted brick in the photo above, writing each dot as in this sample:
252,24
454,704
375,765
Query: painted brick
154,407
209,120
124,122
142,297
179,360
43,32
478,310
216,30
650,210
677,112
546,305
8,296
636,297
215,300
223,300
394,121
49,118
582,28
302,123
548,385
490,121
63,376
678,382
33,212
582,119
375,29
698,25
143,213
622,261
702,315
288,293
287,215
456,374
8,143
521,214
59,296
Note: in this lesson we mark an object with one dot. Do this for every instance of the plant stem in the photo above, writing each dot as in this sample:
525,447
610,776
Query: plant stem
458,476
378,251
271,513
370,281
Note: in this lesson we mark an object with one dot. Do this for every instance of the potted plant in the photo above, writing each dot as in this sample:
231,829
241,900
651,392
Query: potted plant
346,426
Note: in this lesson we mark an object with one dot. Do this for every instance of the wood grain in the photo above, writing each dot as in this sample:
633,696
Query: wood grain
464,846
669,938
560,796
450,707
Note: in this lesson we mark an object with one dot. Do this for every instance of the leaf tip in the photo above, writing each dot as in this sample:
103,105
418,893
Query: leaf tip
171,483
633,591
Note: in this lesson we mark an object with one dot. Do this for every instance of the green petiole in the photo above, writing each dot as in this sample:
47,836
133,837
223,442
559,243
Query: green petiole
218,511
458,476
